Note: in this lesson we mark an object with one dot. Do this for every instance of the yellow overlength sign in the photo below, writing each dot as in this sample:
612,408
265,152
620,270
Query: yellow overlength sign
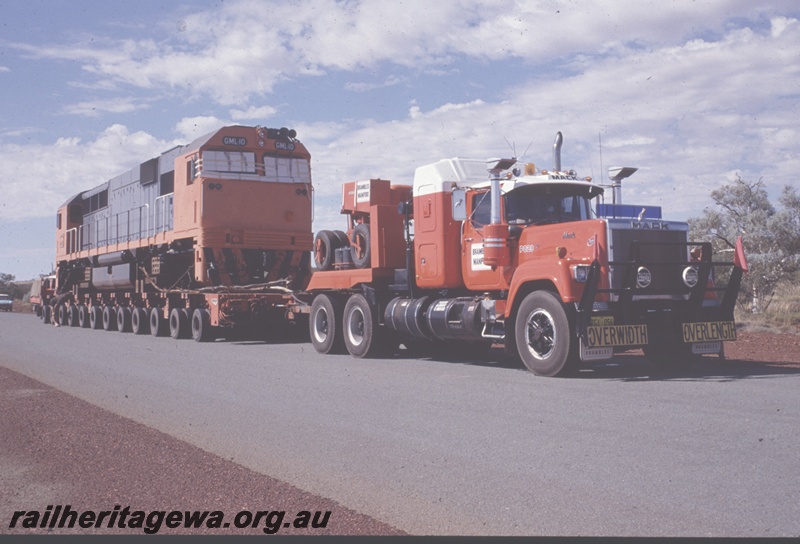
709,332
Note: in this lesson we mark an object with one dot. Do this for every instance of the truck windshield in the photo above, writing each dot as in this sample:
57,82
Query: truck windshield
551,203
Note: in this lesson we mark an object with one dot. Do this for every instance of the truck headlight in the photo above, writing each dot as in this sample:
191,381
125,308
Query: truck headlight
690,276
643,277
580,272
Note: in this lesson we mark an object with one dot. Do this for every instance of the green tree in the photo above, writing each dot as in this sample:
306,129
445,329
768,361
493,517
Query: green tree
771,236
6,279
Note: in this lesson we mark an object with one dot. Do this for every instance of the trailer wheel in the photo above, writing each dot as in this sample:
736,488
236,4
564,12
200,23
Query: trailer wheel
83,316
72,315
179,324
109,318
324,324
325,244
360,246
360,329
543,334
47,314
202,331
140,324
61,314
96,317
158,323
124,319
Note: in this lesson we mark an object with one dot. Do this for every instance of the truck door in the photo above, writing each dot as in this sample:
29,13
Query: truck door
477,275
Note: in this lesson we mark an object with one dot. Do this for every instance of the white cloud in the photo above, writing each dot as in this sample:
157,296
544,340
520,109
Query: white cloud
4,69
37,178
97,108
684,114
253,113
191,128
242,49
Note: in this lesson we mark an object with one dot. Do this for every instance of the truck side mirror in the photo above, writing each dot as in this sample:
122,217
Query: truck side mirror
459,205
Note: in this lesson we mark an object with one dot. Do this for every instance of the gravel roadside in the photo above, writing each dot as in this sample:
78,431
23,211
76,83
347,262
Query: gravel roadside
56,449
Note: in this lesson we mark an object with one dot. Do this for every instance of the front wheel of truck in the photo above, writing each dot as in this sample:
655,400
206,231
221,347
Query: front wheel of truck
542,334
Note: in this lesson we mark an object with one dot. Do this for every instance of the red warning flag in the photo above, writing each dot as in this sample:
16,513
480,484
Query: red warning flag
738,257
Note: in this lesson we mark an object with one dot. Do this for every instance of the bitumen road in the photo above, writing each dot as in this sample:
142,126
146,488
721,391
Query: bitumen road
472,446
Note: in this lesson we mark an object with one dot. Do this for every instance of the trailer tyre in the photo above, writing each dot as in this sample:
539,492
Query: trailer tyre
325,244
360,246
96,317
72,315
61,315
202,331
109,318
179,324
159,325
542,333
360,329
124,319
140,323
324,324
83,316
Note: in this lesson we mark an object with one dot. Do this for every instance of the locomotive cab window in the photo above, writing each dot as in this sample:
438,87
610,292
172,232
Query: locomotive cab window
191,171
286,169
76,213
241,162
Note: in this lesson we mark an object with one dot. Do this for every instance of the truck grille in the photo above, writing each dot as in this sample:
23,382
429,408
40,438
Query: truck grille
665,262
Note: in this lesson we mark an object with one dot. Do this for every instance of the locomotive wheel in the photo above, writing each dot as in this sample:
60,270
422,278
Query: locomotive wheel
360,329
202,331
179,324
324,324
124,319
543,334
140,323
109,318
158,323
325,244
360,246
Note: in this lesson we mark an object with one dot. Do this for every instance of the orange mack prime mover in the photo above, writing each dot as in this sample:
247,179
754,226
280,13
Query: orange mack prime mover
483,251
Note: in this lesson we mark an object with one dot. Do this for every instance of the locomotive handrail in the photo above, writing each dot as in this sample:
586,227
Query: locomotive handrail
160,200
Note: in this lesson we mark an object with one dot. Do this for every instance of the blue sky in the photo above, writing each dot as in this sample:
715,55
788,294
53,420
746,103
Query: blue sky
691,93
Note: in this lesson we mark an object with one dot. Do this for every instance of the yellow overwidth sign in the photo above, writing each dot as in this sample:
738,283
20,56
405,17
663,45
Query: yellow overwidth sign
616,335
708,332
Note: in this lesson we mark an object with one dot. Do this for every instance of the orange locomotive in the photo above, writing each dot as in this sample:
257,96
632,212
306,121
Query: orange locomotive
504,255
207,236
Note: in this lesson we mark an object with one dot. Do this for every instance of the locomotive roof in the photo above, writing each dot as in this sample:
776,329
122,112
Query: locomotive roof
181,149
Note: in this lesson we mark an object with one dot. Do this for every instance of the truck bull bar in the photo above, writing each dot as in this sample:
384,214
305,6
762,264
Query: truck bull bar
664,312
